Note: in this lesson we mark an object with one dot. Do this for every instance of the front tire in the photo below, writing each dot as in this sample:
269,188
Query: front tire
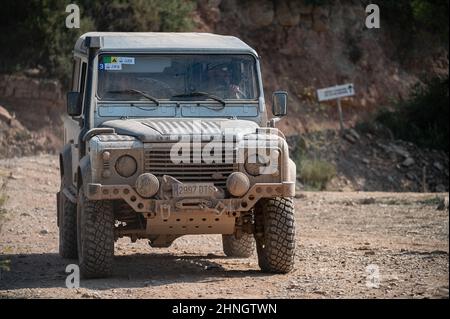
243,247
95,237
67,228
276,244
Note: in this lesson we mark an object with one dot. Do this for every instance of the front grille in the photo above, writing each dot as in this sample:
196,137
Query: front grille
158,162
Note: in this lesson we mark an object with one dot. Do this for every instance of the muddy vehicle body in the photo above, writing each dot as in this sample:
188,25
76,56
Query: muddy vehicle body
167,135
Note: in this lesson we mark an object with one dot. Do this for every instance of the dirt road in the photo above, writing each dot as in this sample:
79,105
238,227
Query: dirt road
404,237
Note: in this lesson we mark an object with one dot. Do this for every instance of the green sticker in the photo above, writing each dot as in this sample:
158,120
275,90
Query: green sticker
106,59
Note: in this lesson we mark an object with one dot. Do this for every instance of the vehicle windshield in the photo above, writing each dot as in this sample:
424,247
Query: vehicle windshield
177,77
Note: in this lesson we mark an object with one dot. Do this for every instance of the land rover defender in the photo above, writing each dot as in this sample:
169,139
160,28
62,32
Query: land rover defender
167,134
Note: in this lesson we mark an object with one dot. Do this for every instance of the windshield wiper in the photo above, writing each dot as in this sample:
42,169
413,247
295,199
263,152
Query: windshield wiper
205,94
133,91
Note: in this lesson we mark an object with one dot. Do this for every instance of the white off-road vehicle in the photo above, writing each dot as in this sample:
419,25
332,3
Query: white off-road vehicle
168,135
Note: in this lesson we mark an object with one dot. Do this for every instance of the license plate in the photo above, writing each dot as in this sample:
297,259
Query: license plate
194,190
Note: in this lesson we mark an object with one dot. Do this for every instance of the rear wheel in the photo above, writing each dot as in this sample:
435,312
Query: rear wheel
243,247
275,243
95,237
67,228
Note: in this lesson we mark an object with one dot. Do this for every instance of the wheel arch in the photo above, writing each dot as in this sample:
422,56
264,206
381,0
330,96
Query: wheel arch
65,166
84,172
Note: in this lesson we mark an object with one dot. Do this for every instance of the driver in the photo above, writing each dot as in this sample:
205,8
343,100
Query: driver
222,81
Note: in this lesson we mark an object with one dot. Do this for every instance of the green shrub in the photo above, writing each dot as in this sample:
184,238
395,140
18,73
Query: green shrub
433,15
141,15
405,21
423,118
34,35
315,174
5,265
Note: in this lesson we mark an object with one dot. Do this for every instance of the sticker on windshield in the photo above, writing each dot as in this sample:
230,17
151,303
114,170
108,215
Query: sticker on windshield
113,66
126,60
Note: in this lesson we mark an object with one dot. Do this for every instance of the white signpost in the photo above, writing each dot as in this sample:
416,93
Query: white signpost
337,93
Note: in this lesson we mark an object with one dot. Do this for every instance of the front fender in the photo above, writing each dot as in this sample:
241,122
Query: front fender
65,166
292,176
84,173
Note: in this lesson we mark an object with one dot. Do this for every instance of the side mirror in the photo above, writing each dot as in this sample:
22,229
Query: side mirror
73,104
279,103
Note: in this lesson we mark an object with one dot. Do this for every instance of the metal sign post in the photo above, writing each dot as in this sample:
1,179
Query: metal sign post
337,93
341,118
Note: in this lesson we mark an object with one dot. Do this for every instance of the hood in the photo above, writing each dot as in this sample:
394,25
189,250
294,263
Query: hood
151,130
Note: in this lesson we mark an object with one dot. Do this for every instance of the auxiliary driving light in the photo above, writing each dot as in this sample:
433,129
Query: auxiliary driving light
238,184
147,185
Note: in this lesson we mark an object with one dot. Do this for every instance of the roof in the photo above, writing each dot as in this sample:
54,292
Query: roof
165,42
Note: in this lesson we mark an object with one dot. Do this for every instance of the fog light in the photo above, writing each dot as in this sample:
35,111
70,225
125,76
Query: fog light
147,185
238,184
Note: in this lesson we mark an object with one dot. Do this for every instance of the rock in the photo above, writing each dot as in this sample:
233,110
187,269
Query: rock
398,150
211,267
441,188
354,134
5,116
210,10
300,195
367,201
443,204
320,19
366,161
32,72
411,176
438,166
287,15
43,232
258,14
306,9
408,162
93,295
350,138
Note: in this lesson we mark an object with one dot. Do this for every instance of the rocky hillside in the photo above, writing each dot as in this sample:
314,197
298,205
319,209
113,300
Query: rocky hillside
369,160
30,116
304,47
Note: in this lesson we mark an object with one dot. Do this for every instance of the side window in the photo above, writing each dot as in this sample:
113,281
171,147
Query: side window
82,82
75,75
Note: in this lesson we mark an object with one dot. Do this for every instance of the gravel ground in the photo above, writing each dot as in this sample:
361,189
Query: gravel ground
400,240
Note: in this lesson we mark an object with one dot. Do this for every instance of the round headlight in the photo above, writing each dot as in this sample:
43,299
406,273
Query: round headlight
126,166
255,164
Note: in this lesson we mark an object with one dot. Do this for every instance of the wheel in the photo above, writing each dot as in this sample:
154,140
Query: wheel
95,233
67,228
275,244
243,247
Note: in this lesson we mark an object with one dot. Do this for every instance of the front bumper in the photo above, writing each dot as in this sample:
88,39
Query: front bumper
153,207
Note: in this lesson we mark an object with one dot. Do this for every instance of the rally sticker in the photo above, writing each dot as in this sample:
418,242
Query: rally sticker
118,59
126,60
114,63
113,66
